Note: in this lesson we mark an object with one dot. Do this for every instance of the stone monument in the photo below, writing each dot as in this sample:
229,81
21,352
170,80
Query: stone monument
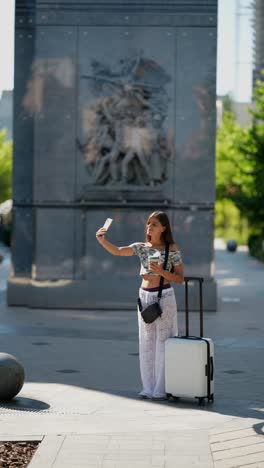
114,117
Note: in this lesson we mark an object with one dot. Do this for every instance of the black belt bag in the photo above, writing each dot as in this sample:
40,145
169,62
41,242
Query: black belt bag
153,311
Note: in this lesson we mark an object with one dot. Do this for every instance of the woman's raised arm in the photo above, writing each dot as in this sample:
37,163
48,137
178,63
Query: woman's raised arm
111,248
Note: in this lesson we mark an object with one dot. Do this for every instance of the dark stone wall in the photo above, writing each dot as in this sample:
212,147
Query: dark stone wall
114,115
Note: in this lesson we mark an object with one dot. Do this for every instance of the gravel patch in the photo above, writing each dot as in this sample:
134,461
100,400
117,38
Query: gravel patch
17,454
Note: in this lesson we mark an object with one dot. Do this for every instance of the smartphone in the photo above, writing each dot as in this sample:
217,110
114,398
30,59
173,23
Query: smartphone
107,223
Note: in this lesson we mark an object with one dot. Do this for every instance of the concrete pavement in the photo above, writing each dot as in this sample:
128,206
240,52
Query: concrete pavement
82,379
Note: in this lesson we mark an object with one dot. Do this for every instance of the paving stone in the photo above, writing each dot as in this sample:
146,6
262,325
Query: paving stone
96,412
254,465
240,442
47,452
239,452
240,461
232,435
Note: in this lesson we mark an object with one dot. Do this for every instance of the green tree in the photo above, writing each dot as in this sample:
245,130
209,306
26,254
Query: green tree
241,158
250,198
240,169
231,173
6,152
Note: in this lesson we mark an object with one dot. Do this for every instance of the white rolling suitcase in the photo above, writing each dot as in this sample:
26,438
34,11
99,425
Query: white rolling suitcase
189,360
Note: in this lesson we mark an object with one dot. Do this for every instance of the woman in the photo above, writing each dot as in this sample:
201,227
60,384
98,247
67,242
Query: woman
152,336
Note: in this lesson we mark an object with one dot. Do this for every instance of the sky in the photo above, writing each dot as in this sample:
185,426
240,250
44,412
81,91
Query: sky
234,22
235,49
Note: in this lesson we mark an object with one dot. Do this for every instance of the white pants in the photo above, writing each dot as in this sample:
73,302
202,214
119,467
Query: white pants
152,337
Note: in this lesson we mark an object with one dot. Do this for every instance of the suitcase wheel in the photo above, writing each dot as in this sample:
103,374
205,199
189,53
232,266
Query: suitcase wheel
175,398
211,398
172,397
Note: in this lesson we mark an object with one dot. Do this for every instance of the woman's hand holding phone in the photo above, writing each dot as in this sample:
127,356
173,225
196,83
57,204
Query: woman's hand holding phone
102,231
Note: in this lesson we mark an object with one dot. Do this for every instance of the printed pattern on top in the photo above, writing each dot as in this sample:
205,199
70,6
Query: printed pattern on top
143,252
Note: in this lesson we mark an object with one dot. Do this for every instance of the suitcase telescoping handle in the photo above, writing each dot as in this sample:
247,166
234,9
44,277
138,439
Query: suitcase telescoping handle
200,280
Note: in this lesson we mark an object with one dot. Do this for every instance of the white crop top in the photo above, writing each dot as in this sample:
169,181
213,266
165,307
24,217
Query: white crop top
143,253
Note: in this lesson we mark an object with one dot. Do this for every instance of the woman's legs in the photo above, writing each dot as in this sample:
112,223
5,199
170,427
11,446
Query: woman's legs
147,341
152,339
166,327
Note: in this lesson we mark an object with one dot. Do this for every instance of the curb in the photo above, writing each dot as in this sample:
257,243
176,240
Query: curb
47,452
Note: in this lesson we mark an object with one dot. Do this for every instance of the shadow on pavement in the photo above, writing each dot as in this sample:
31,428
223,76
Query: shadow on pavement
259,428
24,404
98,351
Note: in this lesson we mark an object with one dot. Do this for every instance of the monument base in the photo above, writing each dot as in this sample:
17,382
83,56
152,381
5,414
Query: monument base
68,294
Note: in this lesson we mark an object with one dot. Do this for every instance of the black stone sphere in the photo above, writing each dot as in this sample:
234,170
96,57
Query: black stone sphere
12,376
231,245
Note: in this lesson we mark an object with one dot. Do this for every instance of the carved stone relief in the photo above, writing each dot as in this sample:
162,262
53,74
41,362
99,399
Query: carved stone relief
125,141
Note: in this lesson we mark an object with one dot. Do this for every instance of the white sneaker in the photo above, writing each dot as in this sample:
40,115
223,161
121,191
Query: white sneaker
159,397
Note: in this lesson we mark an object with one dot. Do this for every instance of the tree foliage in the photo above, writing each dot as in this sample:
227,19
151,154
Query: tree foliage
6,152
240,163
229,224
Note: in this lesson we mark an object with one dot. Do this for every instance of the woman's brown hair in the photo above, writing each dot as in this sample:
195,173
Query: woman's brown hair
166,235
